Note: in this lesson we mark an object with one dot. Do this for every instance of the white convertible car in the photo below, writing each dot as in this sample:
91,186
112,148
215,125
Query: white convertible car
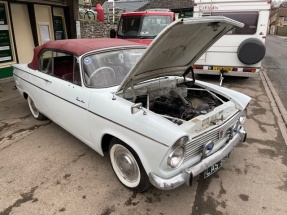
140,104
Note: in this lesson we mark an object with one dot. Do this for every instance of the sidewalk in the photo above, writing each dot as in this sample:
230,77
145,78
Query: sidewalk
5,80
273,35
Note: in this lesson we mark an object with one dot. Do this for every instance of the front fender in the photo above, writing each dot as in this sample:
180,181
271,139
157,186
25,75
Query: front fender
118,112
241,100
150,135
149,152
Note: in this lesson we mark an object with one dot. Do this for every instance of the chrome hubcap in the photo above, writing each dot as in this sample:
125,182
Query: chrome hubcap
126,164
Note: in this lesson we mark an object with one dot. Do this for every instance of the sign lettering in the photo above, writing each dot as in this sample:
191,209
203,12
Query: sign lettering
209,7
59,26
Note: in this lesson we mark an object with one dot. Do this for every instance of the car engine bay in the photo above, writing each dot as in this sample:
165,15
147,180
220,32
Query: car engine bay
177,102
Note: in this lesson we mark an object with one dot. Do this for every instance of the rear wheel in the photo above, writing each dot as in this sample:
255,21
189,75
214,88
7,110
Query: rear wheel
35,112
127,166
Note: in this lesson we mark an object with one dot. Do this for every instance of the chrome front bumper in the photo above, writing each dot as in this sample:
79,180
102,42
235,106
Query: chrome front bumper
189,173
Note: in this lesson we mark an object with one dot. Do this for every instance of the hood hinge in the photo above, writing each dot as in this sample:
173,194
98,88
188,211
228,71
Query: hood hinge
189,70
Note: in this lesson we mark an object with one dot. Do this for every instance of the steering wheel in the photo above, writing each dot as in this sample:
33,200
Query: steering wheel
99,69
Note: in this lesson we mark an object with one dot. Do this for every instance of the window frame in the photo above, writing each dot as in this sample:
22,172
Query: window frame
100,52
54,52
40,60
223,13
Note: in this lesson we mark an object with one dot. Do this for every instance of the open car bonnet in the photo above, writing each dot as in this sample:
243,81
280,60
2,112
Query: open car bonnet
177,47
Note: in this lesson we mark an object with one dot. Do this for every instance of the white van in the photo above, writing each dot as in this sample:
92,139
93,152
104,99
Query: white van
239,53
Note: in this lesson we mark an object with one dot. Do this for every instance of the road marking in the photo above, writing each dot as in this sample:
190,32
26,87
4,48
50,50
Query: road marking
283,44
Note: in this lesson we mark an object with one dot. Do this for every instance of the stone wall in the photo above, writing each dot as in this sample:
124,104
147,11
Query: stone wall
171,4
95,29
92,29
282,31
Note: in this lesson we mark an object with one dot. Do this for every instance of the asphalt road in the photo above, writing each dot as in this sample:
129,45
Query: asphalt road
45,170
275,61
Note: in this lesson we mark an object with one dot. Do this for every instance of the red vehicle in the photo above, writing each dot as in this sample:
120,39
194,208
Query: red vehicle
142,27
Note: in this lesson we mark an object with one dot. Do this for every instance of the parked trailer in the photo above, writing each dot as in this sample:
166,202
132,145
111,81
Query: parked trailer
240,52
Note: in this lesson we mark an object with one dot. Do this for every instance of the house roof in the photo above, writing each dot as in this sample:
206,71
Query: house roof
169,4
127,6
79,47
282,12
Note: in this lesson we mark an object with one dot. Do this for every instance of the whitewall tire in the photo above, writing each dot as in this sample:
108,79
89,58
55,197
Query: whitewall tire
127,166
35,112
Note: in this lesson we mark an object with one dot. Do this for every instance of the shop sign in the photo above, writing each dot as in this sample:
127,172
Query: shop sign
59,27
185,14
6,52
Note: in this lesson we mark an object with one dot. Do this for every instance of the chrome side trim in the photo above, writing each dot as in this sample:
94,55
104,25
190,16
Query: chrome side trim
94,113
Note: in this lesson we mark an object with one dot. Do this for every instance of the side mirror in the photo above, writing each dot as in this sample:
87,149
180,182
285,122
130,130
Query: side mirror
113,33
136,108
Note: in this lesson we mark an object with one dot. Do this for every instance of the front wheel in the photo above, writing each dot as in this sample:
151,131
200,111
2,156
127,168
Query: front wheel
127,166
35,112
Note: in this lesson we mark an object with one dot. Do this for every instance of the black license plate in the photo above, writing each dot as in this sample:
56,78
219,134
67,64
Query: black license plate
212,169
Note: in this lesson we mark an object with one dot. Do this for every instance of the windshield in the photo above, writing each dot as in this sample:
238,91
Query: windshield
142,26
109,69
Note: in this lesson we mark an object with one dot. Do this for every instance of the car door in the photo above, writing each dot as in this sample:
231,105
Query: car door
65,98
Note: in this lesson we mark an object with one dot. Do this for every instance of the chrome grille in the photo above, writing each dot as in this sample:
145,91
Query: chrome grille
195,147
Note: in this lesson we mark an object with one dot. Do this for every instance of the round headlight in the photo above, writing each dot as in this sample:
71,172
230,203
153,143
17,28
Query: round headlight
242,118
176,157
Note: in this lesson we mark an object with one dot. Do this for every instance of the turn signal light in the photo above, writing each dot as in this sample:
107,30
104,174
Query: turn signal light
249,70
234,69
197,67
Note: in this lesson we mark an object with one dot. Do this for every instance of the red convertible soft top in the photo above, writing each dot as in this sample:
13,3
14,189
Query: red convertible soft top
78,47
